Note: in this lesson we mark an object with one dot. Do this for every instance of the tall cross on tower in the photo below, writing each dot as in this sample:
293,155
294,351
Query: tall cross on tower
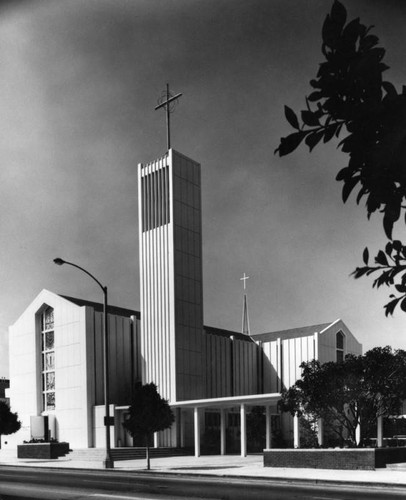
244,279
164,102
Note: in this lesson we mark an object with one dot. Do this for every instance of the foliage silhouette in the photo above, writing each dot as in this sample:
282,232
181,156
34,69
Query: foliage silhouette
148,413
352,392
350,96
9,423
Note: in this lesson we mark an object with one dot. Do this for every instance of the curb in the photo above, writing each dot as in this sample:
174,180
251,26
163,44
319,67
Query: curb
277,479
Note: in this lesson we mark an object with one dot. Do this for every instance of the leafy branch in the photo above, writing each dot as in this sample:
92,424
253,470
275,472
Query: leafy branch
391,263
350,98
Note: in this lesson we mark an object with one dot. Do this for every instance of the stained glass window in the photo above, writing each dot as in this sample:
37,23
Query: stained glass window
49,340
49,319
48,359
340,347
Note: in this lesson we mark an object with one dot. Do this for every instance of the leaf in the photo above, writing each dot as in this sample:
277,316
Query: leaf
315,84
365,256
389,89
313,139
403,305
390,306
342,174
290,143
291,117
352,31
381,259
368,42
392,214
360,271
338,13
310,118
361,193
348,187
315,96
330,32
329,132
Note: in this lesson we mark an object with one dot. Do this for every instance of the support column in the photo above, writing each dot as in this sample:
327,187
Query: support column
156,440
379,433
243,429
197,431
358,434
296,432
268,439
182,430
222,431
320,431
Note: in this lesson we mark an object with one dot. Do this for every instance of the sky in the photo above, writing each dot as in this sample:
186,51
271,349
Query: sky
79,81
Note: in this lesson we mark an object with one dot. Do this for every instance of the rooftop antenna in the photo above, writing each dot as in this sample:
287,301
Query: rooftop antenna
167,101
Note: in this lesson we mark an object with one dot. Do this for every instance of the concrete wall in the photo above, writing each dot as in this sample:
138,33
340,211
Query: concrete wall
71,414
231,366
345,459
78,367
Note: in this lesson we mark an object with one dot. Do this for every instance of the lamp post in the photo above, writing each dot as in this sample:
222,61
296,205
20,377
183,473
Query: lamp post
108,462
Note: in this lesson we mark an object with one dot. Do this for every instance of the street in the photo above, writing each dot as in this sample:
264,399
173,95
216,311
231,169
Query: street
49,483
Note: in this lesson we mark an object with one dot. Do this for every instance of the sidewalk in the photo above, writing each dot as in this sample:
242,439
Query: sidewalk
226,466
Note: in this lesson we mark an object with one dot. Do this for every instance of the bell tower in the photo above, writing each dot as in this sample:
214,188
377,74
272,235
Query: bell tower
170,242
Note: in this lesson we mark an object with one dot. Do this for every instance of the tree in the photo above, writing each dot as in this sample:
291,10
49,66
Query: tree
357,390
148,413
9,423
350,96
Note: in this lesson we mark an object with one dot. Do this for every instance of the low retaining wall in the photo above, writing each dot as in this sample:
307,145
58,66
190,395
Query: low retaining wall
347,458
42,450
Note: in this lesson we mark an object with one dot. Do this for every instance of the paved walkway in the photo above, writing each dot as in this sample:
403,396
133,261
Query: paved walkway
230,465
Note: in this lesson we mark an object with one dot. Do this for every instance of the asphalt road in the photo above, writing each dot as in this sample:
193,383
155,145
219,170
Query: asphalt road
68,484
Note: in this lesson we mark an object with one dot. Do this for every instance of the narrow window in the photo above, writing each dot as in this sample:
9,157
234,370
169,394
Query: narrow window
339,347
48,359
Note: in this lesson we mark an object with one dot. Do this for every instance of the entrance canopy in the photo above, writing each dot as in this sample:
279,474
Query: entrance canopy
242,401
254,399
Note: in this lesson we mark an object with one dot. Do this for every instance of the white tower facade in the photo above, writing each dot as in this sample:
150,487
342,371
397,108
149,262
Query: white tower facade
170,241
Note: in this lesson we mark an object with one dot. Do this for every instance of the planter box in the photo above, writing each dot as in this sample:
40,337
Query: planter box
42,450
348,458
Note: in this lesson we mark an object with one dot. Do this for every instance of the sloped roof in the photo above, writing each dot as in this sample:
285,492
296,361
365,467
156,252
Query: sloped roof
226,333
303,331
118,311
121,311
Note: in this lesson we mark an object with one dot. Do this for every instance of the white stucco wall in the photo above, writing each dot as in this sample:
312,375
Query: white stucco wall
71,413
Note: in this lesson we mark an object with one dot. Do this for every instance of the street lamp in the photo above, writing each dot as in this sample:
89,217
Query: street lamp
108,462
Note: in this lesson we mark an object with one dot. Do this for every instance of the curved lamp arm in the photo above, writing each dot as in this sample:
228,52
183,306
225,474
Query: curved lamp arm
60,262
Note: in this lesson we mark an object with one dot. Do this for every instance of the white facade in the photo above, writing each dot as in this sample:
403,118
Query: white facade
77,367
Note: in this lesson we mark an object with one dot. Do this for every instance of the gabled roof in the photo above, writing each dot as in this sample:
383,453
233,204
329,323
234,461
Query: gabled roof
118,311
303,331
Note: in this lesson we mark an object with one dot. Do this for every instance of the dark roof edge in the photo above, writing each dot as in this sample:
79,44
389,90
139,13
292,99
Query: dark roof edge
97,306
227,333
302,331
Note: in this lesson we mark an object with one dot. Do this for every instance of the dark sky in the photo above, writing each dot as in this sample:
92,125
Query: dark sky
79,80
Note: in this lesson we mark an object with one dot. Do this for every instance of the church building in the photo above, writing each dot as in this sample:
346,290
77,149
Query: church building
211,377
